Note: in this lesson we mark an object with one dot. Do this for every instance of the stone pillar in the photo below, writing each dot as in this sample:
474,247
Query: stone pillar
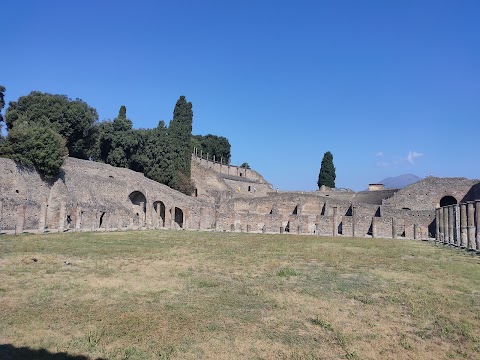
456,212
471,226
354,220
446,231
415,231
42,217
477,216
20,219
374,227
335,221
142,215
281,229
439,220
437,227
61,218
451,228
394,228
172,217
463,226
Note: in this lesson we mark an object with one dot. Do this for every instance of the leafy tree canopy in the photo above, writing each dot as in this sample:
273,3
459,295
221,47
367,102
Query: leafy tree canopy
73,119
245,165
2,101
36,146
327,171
213,145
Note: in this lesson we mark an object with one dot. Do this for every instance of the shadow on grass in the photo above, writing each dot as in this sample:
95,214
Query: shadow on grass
10,352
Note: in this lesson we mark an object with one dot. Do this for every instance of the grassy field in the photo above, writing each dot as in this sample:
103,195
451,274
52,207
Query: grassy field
199,295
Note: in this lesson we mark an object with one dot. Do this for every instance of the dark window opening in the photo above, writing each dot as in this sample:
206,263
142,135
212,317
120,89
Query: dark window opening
179,217
295,211
448,200
349,211
378,213
249,188
101,220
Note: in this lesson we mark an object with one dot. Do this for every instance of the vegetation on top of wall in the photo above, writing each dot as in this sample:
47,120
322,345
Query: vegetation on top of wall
36,146
40,120
327,171
213,145
73,119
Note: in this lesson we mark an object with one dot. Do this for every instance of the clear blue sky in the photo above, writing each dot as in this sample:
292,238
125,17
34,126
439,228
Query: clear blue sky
389,87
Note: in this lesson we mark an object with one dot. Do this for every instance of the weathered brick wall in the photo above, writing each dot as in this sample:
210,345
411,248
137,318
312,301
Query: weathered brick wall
427,193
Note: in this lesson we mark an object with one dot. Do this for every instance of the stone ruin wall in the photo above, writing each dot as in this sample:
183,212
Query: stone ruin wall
321,215
427,193
100,197
96,196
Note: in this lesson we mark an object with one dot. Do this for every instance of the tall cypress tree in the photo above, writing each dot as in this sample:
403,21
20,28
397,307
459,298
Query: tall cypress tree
179,139
327,171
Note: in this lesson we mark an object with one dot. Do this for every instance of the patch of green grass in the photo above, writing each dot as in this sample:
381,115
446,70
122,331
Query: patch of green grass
287,272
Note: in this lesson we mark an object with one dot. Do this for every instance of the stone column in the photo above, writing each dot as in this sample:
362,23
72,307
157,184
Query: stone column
437,226
471,226
374,227
61,219
477,216
172,217
451,229
456,219
335,221
394,228
42,218
446,231
20,219
463,226
441,226
354,220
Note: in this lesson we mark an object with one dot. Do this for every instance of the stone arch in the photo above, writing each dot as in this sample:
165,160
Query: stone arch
179,219
159,208
139,207
448,200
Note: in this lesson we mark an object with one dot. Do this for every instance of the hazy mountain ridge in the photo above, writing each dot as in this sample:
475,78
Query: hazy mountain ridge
400,181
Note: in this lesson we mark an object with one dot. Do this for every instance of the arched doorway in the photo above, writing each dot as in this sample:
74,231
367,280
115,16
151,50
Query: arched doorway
159,208
139,207
448,200
179,217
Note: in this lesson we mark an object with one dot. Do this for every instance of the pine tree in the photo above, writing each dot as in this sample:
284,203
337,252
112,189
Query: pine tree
327,171
180,141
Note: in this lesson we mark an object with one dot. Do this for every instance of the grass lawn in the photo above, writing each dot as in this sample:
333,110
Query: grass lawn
201,295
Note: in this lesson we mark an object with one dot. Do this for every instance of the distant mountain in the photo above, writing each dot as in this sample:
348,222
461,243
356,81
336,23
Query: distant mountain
399,181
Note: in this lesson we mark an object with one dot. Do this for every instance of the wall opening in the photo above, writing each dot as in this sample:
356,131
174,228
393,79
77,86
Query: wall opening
196,192
295,211
159,207
287,228
249,188
349,211
378,213
179,217
448,200
101,220
137,198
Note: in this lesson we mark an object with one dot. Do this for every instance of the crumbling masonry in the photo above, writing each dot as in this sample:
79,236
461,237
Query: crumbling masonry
90,196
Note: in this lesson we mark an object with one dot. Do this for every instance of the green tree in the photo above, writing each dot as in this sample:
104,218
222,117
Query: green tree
73,119
2,104
213,145
36,146
245,165
118,141
180,146
327,171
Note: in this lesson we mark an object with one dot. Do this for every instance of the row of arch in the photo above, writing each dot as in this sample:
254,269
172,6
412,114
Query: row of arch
139,201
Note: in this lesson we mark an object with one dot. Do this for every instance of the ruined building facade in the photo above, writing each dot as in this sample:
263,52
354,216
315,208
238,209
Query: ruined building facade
90,196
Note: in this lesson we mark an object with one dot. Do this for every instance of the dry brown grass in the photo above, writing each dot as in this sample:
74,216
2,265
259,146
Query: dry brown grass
190,295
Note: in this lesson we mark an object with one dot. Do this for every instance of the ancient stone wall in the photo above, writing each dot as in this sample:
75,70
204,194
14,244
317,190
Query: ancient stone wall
94,196
428,193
